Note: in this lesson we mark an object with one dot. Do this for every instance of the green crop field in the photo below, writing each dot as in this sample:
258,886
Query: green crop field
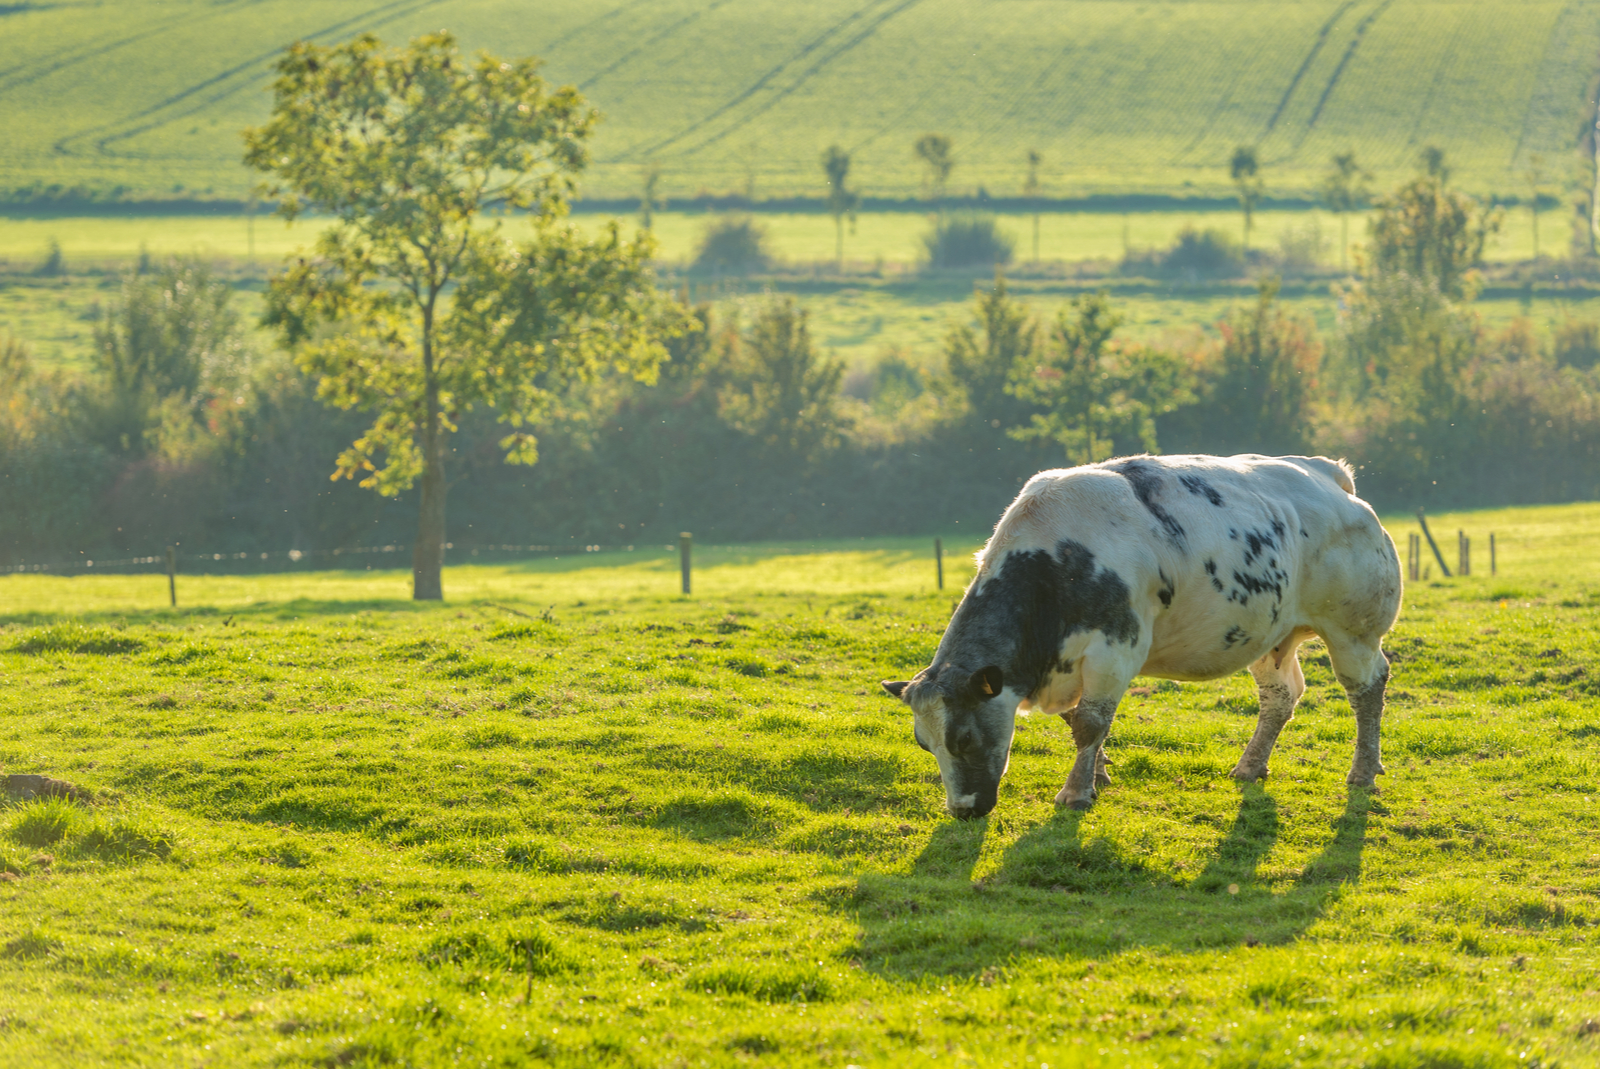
728,96
573,818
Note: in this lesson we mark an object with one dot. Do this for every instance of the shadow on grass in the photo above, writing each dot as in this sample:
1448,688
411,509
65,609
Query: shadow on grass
1057,895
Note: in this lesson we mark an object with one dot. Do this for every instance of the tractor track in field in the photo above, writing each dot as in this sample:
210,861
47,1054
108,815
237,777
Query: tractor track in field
371,18
1305,65
1338,72
61,59
818,42
654,40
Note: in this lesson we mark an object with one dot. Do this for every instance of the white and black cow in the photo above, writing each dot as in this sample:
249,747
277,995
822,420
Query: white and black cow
1182,567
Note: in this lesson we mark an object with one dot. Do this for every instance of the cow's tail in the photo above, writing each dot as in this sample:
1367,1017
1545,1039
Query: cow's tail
1339,471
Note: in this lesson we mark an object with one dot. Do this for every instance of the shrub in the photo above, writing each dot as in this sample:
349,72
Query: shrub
967,240
1203,254
1578,344
733,245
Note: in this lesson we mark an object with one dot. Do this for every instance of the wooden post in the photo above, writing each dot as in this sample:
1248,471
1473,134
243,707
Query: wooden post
1463,561
1492,569
938,560
1443,567
1466,554
172,575
685,544
1413,557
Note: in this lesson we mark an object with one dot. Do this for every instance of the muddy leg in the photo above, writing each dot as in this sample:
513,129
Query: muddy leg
1364,672
1279,685
1091,723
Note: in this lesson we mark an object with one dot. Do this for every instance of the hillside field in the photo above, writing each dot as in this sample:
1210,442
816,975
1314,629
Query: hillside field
147,97
570,817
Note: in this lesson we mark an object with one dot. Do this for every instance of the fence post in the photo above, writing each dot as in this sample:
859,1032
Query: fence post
172,575
938,560
1462,565
685,543
1443,567
1492,569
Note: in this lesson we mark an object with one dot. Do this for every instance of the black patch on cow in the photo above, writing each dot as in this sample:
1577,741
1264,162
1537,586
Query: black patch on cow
1257,541
1145,478
1167,589
1303,533
1235,635
1021,616
1197,486
1257,584
1211,570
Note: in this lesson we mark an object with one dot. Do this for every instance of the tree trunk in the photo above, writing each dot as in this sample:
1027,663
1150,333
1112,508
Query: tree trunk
427,556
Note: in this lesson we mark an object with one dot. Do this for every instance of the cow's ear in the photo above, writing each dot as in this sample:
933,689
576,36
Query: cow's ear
896,688
987,681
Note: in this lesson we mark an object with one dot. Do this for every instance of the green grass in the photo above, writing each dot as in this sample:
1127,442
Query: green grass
151,96
570,817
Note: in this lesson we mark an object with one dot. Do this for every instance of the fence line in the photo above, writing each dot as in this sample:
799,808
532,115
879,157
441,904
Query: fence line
295,556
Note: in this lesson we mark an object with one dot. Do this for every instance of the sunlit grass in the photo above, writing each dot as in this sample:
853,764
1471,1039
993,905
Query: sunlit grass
326,825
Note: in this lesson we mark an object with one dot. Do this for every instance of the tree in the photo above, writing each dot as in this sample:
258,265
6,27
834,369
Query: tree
412,305
1431,233
166,343
842,200
934,152
1258,399
983,369
649,200
1244,169
1535,177
1030,189
778,391
1344,190
1431,162
1095,395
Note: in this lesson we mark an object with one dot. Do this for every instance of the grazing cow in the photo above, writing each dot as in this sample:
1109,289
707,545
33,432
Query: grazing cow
1183,567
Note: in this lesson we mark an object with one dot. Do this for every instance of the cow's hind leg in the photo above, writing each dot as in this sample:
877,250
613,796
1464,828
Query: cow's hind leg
1279,685
1363,670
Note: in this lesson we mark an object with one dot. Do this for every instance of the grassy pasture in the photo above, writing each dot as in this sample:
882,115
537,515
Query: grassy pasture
891,240
150,96
572,818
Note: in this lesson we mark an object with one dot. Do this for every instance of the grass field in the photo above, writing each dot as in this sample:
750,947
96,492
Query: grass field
878,304
726,96
570,817
890,239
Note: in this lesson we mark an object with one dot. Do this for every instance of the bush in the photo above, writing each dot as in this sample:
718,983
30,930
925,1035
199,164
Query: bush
1196,254
967,240
733,245
1578,344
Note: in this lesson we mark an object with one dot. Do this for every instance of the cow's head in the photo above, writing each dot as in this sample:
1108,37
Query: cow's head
965,719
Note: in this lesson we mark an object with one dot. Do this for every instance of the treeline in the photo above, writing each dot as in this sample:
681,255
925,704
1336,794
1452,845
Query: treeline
180,433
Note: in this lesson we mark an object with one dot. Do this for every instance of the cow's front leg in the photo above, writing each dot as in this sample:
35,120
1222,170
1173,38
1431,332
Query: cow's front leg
1279,685
1091,723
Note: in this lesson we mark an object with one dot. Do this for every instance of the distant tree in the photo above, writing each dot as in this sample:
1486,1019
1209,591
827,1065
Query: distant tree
1244,169
1258,397
1344,190
778,390
983,367
1431,233
1431,162
842,200
1030,189
648,198
934,152
1097,397
170,337
412,305
16,379
1535,176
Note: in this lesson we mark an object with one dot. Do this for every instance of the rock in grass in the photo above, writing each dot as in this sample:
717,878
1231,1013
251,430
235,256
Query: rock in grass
32,786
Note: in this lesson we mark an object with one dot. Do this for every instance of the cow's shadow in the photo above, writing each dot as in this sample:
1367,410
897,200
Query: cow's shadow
1055,894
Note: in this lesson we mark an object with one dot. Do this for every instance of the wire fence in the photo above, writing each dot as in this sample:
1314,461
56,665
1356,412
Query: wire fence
390,556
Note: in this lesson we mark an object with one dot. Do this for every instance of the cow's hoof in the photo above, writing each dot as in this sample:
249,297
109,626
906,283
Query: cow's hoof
1248,775
1356,779
1101,779
1076,801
